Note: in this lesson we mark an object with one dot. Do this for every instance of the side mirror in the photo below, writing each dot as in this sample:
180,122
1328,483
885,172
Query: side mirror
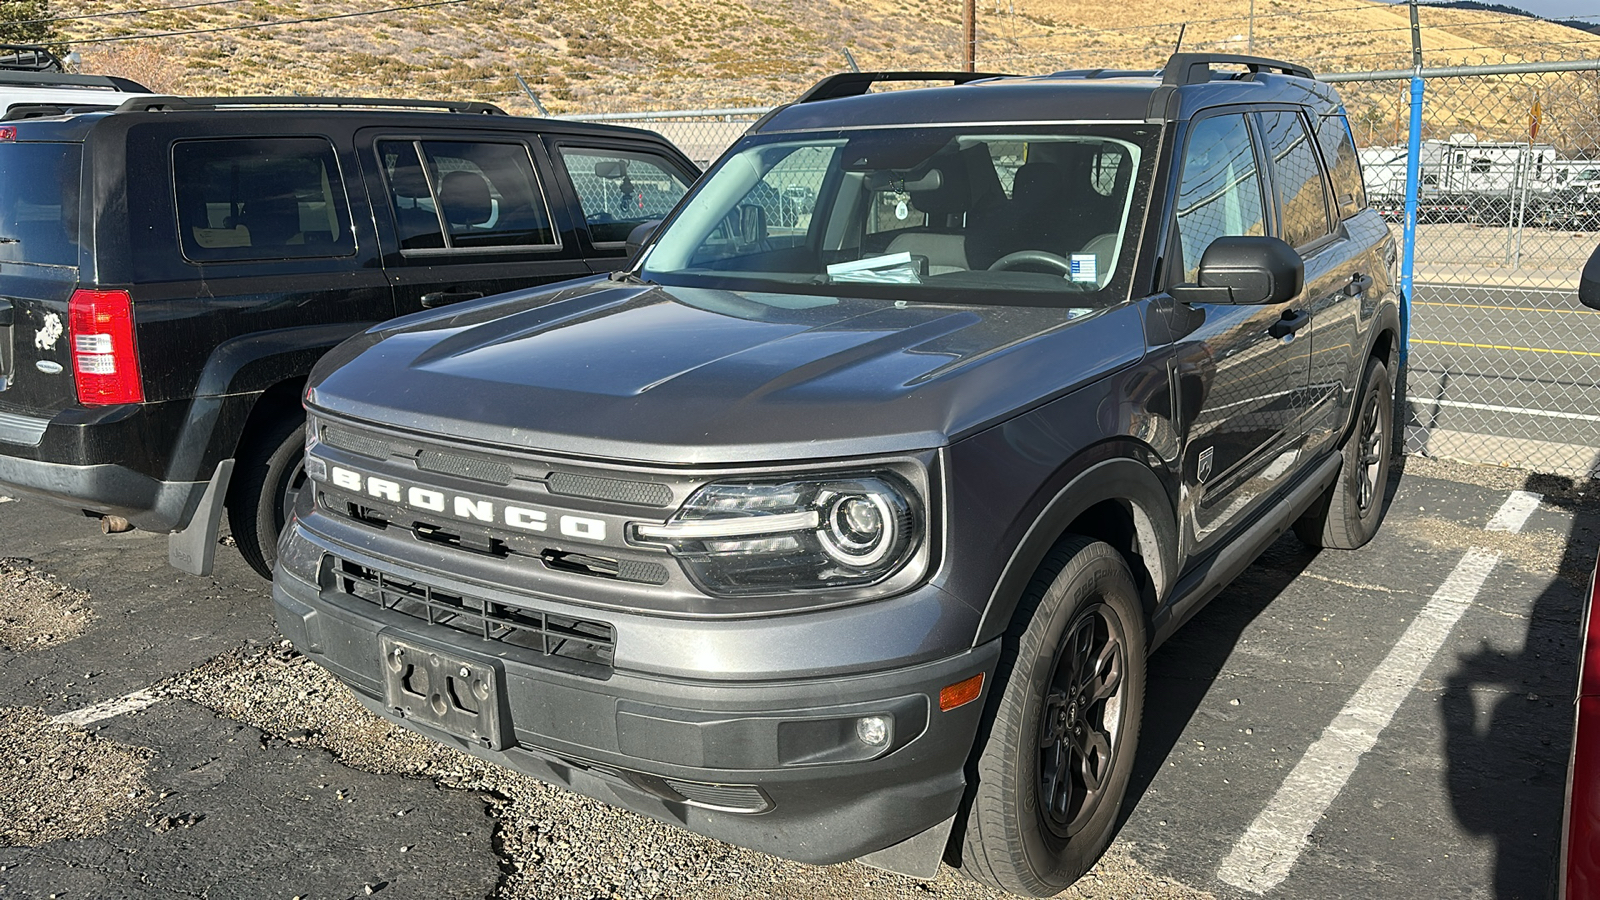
640,235
1245,270
1589,282
752,225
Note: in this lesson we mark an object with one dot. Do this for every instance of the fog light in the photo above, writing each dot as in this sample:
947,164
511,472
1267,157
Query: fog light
873,730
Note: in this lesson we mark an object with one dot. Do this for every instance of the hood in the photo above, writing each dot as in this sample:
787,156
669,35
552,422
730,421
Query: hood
688,376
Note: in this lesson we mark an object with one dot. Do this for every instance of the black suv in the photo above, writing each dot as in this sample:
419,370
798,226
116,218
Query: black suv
170,269
848,533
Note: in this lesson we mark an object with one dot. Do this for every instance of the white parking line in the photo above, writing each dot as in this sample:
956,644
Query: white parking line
1268,850
108,709
1520,410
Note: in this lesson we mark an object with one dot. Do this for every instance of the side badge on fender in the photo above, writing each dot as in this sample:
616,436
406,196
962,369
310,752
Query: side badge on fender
1203,468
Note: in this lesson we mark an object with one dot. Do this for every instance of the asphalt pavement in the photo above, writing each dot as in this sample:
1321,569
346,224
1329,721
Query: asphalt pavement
1391,722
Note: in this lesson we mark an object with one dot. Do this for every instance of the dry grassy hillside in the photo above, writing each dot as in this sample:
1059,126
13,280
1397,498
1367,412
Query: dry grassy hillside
612,55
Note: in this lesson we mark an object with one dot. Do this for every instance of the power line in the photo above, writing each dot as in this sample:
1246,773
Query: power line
124,12
251,25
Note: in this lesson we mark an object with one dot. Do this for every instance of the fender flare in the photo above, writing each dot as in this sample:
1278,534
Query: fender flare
1099,478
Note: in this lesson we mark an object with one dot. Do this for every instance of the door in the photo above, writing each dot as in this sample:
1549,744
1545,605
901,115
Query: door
466,216
1244,386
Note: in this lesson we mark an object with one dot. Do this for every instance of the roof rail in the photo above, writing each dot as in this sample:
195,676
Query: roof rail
178,104
29,58
854,84
1105,73
51,110
1195,68
62,79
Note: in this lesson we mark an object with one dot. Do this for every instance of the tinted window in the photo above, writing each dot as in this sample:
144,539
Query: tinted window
487,194
39,203
1220,193
416,215
260,198
1339,155
620,189
1298,178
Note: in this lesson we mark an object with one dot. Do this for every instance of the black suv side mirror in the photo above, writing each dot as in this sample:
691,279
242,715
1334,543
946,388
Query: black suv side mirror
1245,270
1589,282
639,235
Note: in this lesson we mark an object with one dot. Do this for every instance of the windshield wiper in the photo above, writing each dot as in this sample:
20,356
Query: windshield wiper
630,278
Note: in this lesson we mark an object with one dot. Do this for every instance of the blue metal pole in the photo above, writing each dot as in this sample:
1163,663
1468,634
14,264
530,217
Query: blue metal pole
1408,252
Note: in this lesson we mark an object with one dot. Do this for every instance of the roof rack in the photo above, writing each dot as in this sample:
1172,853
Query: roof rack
1106,73
854,84
29,58
51,110
63,79
1195,68
178,104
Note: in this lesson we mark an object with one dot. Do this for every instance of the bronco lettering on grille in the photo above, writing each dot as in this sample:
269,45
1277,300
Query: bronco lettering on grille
472,509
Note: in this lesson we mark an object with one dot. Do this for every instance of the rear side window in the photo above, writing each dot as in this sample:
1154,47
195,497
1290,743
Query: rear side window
39,203
621,189
1339,155
457,195
260,198
1298,177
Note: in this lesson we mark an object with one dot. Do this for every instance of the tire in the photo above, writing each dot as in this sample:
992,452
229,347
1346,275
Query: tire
1028,830
1348,515
266,482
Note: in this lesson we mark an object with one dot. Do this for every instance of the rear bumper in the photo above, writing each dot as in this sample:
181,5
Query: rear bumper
776,765
116,460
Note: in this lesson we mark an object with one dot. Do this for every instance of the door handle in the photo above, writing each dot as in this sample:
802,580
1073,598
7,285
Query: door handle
445,298
1358,285
1291,322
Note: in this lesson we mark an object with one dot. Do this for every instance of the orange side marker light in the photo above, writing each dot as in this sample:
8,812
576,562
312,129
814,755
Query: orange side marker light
961,693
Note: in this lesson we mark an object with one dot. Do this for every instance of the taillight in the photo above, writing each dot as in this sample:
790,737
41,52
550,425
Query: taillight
104,357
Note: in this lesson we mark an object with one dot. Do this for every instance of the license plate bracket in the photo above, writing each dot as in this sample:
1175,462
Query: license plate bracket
451,691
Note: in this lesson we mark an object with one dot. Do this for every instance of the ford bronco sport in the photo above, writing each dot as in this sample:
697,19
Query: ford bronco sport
171,268
847,533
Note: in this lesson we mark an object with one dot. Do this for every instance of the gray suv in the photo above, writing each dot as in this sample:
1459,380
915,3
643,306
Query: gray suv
841,525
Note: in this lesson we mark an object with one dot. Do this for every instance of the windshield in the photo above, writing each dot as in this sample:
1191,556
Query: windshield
969,214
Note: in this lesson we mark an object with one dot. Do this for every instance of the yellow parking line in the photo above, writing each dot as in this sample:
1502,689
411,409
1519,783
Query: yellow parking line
1504,347
1581,312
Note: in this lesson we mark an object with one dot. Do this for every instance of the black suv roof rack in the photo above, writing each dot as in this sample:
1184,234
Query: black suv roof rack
1195,68
50,110
176,104
29,58
48,78
1106,73
853,84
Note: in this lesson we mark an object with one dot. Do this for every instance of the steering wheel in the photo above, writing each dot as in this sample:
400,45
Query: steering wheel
1037,257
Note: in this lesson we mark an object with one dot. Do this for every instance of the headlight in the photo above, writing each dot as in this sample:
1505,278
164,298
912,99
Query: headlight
764,537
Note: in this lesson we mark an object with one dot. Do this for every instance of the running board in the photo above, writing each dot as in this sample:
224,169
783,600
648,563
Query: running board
1201,584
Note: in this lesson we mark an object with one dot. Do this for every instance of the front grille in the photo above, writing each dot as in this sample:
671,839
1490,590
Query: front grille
576,645
464,467
355,442
639,493
746,798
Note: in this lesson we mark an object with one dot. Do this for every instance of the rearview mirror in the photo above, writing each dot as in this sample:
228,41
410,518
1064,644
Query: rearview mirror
1245,270
611,168
1589,282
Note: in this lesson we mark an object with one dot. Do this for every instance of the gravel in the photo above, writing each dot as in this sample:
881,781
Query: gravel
62,782
557,845
39,611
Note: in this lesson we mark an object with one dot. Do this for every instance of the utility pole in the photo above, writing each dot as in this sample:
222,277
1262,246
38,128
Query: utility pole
1250,47
972,35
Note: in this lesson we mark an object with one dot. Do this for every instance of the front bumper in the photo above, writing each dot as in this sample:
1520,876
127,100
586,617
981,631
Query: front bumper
773,764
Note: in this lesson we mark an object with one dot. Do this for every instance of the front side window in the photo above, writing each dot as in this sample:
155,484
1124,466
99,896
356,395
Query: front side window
39,202
454,195
972,214
1298,177
1220,191
1344,166
620,190
260,198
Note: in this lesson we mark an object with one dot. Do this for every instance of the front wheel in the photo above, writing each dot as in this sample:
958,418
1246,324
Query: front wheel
1348,515
266,484
1055,767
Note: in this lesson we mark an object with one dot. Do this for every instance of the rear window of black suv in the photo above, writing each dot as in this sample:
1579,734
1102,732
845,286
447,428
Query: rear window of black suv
39,202
260,198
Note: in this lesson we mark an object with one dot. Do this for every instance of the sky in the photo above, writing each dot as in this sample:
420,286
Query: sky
1554,9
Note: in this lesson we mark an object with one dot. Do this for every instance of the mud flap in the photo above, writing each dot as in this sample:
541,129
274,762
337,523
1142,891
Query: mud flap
194,549
917,856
